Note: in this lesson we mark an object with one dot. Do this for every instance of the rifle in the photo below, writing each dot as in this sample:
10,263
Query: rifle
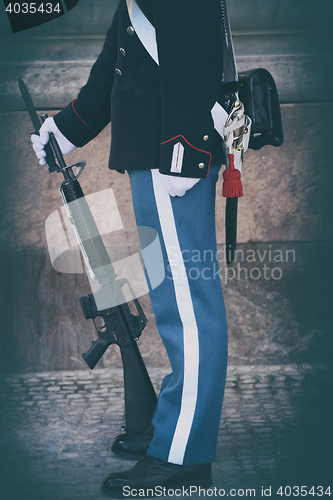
108,308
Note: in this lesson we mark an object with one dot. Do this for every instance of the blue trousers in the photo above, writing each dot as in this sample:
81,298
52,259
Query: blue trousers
190,317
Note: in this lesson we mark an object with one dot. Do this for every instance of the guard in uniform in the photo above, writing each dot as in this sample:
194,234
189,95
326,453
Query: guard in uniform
163,136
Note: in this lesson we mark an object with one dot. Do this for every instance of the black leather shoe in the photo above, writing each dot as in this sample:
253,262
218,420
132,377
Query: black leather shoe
133,447
152,477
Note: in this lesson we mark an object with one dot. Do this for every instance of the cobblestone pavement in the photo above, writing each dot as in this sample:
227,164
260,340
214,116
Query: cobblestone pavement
57,429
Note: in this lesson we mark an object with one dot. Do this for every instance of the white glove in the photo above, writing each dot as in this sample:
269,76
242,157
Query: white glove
39,141
177,186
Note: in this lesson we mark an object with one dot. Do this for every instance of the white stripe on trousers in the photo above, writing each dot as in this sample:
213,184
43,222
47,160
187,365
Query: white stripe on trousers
186,312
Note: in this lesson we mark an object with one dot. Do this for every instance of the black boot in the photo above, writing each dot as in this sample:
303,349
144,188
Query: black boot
149,476
133,446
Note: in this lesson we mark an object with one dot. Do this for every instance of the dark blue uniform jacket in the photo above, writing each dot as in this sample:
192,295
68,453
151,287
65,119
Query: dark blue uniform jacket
152,108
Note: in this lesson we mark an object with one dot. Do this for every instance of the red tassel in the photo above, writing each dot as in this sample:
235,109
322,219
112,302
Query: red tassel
232,185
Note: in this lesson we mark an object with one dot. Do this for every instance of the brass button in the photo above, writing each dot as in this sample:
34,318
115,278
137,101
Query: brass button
118,71
130,30
205,137
201,165
122,51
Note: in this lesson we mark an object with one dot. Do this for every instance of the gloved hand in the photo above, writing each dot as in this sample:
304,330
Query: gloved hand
39,141
177,186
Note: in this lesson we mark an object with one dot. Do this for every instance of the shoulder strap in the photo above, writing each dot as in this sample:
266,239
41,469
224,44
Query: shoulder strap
146,34
143,28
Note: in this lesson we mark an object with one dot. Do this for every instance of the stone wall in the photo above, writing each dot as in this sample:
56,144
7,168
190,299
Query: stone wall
279,309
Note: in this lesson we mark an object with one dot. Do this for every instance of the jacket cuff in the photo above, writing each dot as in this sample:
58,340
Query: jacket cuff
73,127
180,158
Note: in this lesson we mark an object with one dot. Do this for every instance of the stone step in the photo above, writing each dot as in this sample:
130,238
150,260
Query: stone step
55,69
54,59
257,15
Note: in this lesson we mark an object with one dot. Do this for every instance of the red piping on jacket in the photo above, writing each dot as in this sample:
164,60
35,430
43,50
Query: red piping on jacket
95,132
202,150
